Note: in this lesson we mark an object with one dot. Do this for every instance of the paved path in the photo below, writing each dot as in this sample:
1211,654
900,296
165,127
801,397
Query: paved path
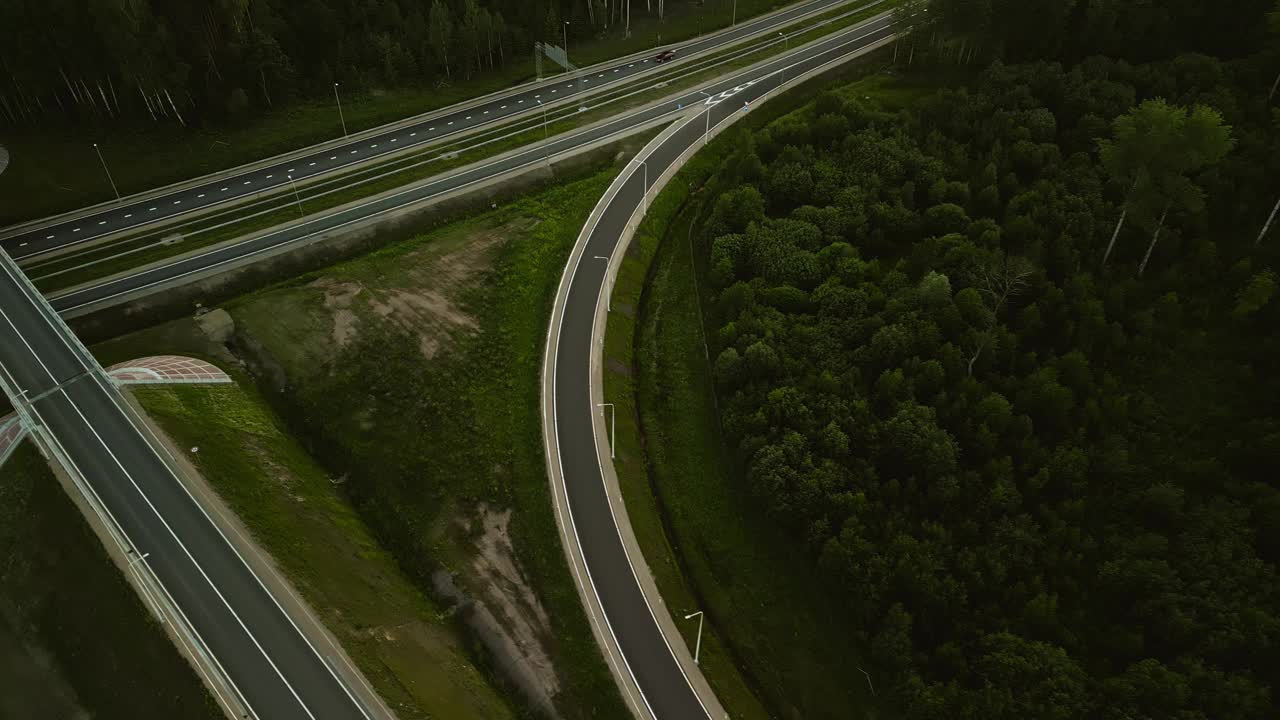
650,660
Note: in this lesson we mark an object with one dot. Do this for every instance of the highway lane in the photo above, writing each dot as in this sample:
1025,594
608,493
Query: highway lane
170,273
273,667
133,215
667,692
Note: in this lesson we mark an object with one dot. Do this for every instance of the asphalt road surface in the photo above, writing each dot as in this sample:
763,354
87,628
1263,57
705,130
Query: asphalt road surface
275,669
666,690
176,272
137,214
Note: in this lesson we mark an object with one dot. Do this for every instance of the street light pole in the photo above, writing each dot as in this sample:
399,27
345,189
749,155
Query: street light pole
735,14
104,168
645,202
566,45
613,418
706,132
546,149
340,115
698,647
295,195
786,46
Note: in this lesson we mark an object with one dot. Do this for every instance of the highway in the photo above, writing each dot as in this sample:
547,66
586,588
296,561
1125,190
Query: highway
272,666
167,274
571,373
132,215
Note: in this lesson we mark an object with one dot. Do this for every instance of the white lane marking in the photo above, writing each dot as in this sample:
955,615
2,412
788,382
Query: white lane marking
310,164
632,65
246,182
187,552
24,244
50,237
353,152
177,202
75,229
504,107
269,177
393,139
553,91
467,117
602,74
200,195
102,222
22,337
126,217
290,170
616,69
537,96
374,145
450,122
333,157
151,209
519,102
222,189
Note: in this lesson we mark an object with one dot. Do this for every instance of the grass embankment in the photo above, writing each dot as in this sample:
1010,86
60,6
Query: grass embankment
150,246
401,640
412,374
49,174
708,545
62,594
414,371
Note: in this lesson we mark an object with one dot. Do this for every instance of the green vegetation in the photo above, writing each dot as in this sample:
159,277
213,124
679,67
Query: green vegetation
62,593
1035,485
412,373
171,91
397,637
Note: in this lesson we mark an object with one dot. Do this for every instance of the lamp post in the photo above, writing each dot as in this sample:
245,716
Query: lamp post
613,418
786,46
340,116
546,149
645,201
697,649
735,14
296,197
108,172
566,45
706,132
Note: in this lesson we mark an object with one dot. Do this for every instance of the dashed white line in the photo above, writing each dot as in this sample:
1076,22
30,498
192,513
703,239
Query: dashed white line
222,189
467,117
151,209
102,222
450,122
200,195
24,244
177,202
269,177
374,145
353,152
602,74
310,164
246,182
46,237
553,91
333,157
537,96
290,170
75,229
393,139
504,107
126,217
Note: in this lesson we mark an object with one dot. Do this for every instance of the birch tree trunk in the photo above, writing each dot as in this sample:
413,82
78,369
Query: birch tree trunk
1119,223
1267,226
1273,88
175,107
1155,237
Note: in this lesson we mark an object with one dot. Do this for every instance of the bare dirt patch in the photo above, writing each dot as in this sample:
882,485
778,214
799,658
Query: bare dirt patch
505,612
338,297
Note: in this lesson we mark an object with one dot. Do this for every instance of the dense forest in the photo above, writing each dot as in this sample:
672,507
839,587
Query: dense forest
193,61
1005,362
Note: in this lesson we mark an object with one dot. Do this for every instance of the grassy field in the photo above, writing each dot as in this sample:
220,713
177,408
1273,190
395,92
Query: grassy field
708,545
53,170
413,371
402,641
61,593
